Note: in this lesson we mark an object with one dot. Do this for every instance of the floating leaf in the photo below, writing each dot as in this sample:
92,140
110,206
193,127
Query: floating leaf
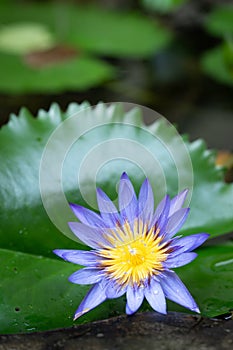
210,278
25,37
114,33
84,29
110,137
220,21
163,6
35,293
73,74
92,28
215,62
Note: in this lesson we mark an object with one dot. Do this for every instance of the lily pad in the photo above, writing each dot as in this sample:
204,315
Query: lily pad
86,30
220,21
215,63
163,6
23,38
77,73
93,29
94,149
210,278
35,293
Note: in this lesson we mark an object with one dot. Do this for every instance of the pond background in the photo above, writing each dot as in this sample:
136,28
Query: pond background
132,51
170,81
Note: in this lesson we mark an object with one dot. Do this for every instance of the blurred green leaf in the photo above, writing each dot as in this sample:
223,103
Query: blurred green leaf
218,63
85,30
220,21
23,38
74,74
93,29
117,34
163,6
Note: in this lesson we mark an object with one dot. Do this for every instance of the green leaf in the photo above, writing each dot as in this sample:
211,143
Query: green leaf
92,28
94,145
210,279
113,33
215,63
220,21
23,38
163,6
85,30
100,154
74,74
35,294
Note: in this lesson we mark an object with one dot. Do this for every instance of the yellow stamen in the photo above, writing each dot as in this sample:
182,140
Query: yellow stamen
137,254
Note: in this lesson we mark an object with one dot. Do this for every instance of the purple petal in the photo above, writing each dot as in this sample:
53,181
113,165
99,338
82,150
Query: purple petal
90,236
155,297
114,291
146,202
178,201
108,211
94,297
80,257
135,298
86,276
127,199
161,213
87,216
176,221
160,208
180,260
175,290
188,243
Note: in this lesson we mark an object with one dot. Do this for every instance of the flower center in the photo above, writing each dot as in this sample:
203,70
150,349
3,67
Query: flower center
135,254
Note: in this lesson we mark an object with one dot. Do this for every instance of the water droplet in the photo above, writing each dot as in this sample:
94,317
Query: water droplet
99,335
222,265
31,329
22,231
156,292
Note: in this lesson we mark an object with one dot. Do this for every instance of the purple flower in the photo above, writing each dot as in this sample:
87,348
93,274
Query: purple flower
133,249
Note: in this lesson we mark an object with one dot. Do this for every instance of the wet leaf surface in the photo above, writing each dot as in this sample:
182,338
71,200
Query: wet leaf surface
35,292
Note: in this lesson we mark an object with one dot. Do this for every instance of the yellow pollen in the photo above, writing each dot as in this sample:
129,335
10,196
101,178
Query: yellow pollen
137,254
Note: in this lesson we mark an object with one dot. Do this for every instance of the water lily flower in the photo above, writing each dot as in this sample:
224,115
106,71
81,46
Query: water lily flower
133,249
